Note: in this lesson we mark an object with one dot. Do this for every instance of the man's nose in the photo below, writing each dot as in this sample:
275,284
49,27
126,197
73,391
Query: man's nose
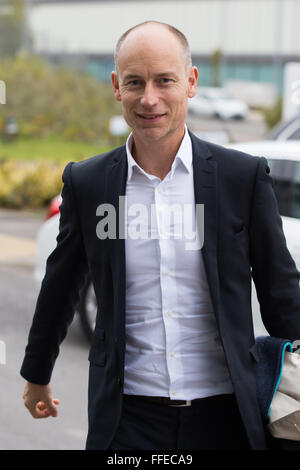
150,95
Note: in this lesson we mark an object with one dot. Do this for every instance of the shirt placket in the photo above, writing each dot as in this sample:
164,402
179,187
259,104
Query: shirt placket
168,284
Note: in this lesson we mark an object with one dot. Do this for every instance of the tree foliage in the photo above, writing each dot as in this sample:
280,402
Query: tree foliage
216,68
48,100
273,115
12,27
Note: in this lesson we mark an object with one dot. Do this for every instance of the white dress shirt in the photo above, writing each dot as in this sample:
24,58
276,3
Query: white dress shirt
173,347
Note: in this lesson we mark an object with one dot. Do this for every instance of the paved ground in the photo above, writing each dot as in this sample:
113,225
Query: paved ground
18,293
251,128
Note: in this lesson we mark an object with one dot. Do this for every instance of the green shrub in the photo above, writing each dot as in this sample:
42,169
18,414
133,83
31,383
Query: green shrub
28,184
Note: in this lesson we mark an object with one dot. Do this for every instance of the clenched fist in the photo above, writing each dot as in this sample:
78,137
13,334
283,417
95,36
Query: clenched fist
38,399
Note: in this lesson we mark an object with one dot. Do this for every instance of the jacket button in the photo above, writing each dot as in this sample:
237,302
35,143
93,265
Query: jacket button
119,381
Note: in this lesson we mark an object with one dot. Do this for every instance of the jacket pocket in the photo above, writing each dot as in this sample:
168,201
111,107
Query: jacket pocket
97,357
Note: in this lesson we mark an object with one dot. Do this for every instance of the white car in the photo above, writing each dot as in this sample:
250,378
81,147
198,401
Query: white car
46,242
216,102
284,161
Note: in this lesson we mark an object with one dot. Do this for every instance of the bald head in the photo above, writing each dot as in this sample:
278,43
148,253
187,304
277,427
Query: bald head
154,27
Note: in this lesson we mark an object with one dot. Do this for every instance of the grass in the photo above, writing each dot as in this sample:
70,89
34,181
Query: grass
51,149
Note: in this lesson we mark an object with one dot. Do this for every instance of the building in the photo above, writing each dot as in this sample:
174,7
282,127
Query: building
255,37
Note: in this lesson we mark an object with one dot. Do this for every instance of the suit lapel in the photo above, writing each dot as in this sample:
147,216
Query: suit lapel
115,182
205,186
115,186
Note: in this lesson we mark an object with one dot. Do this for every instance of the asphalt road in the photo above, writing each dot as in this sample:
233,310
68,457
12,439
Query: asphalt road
251,128
18,292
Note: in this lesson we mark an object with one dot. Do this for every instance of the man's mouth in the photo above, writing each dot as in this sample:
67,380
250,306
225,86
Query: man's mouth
150,117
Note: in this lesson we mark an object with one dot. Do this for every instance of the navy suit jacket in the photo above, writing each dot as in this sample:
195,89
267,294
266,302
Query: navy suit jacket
243,238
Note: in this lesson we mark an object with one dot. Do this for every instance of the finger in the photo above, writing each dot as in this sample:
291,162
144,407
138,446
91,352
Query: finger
41,410
37,410
51,407
32,408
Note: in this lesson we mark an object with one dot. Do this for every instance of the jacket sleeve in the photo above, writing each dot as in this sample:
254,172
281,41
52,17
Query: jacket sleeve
274,271
65,273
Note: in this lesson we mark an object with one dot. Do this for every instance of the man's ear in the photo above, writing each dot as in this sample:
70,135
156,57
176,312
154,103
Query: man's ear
193,79
116,87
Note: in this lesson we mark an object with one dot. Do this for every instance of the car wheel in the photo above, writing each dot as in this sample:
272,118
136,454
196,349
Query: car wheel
87,309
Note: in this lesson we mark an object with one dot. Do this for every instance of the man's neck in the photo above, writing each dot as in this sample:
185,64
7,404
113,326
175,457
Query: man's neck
156,158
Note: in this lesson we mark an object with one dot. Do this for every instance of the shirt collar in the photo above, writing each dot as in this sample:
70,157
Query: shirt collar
184,155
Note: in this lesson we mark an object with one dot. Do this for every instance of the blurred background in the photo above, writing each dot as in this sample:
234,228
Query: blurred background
57,105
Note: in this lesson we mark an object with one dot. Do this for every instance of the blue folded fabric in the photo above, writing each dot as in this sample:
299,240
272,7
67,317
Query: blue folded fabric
269,369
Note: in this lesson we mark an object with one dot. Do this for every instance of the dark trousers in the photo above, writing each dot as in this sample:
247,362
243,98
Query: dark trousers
212,423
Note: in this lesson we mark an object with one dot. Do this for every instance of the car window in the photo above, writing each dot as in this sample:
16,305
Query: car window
286,178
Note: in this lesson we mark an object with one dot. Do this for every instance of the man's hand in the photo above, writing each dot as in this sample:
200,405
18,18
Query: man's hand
38,400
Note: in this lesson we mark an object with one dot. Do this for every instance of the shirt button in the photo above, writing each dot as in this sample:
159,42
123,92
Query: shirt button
170,313
172,354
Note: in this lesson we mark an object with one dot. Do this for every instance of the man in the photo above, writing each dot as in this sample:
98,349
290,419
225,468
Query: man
173,359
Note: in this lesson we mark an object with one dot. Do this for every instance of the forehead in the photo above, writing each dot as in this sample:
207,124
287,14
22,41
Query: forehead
151,47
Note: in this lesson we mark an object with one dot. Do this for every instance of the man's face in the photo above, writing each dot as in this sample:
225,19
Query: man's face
154,84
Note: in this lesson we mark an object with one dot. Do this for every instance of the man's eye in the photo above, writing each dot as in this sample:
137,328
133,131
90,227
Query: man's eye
165,81
133,82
